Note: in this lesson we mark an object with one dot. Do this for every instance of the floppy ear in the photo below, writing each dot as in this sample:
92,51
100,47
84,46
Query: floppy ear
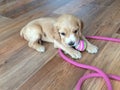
80,24
56,32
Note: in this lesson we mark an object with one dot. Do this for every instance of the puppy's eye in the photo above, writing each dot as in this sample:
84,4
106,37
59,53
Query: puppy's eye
75,31
63,34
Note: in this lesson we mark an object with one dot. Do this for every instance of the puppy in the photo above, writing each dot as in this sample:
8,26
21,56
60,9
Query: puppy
64,32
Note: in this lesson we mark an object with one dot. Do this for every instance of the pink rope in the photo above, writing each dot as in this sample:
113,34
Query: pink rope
99,73
104,38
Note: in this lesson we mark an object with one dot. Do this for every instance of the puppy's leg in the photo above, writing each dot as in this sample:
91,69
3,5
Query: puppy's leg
55,46
90,47
35,45
72,52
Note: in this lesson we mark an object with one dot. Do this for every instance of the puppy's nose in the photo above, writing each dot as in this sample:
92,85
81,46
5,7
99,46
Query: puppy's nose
71,43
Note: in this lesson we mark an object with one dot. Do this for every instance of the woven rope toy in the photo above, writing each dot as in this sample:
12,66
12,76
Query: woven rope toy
81,45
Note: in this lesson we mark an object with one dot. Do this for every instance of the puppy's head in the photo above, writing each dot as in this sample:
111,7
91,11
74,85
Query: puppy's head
69,29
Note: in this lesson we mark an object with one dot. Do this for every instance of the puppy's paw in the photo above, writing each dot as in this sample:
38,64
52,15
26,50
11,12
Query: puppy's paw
92,49
41,49
65,52
75,54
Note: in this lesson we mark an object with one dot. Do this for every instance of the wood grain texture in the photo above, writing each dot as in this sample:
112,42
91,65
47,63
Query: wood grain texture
22,68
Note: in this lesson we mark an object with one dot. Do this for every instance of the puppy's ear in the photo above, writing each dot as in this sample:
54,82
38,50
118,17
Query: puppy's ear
56,33
80,25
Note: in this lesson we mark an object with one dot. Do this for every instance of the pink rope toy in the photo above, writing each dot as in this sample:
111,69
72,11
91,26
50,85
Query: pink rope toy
98,72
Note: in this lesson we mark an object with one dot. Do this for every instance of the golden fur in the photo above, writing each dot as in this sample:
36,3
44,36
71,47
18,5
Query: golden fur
64,32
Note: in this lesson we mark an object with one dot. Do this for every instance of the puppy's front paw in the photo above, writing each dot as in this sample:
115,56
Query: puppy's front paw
92,49
75,54
41,49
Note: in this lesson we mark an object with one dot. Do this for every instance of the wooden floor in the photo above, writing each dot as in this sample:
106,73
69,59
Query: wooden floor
22,68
